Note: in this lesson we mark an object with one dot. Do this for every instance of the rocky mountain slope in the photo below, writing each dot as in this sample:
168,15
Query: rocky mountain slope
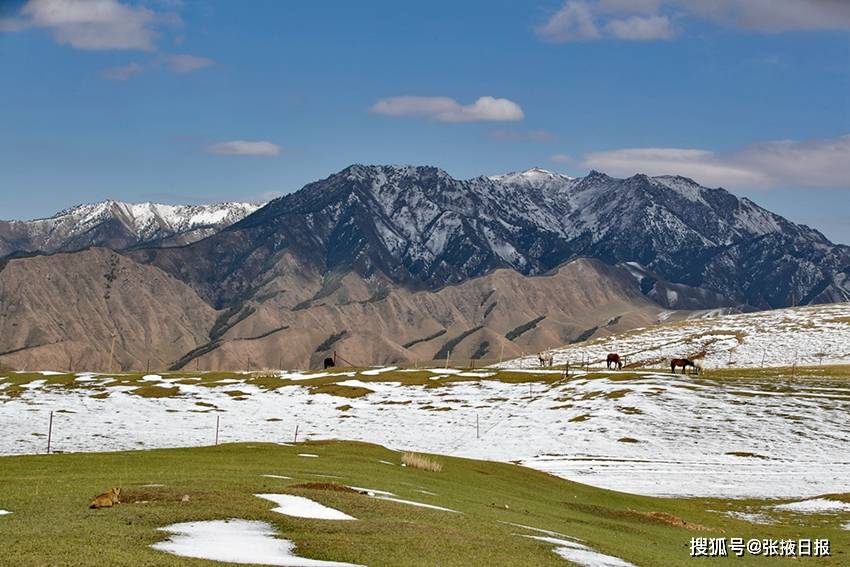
118,225
424,230
62,311
388,263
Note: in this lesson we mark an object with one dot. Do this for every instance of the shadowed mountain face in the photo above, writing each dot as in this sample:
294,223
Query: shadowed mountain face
423,230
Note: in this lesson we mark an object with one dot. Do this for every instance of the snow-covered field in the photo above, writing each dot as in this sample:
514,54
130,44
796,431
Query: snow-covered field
783,337
642,432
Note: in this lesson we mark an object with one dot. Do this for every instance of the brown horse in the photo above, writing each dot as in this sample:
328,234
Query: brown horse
684,363
614,360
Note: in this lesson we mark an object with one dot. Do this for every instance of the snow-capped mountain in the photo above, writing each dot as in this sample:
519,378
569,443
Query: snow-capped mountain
119,225
424,229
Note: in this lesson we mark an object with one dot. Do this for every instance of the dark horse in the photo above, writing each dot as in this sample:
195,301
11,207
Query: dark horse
329,363
684,363
614,360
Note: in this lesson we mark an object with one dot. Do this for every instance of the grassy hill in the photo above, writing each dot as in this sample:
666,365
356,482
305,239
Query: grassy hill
50,524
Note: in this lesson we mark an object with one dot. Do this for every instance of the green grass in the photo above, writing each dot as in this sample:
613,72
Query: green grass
51,525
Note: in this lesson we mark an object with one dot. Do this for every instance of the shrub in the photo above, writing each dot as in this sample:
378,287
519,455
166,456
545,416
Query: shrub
420,462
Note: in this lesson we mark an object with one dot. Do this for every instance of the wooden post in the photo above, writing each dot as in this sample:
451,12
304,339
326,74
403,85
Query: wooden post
49,432
216,428
295,439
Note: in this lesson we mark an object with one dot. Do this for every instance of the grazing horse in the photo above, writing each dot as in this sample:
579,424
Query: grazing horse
329,363
614,360
545,359
684,363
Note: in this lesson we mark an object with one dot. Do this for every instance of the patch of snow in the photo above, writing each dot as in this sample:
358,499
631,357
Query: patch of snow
412,503
801,336
277,476
751,517
235,541
86,377
371,492
311,455
540,530
300,507
581,554
814,506
4,512
376,371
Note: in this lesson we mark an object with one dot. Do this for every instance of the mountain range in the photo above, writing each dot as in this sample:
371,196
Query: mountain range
393,263
118,226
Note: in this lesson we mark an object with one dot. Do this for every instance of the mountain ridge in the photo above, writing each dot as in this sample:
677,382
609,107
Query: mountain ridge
118,225
424,229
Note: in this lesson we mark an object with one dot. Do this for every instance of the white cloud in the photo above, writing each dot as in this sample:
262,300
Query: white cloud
574,21
245,148
93,24
773,16
641,28
122,72
645,20
445,109
184,63
784,163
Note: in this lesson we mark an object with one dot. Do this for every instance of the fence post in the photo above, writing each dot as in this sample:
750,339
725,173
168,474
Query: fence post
49,432
217,418
295,439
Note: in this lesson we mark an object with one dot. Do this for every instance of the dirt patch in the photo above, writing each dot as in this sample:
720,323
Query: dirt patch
671,520
748,455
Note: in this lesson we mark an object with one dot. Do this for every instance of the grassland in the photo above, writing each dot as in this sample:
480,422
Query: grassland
50,524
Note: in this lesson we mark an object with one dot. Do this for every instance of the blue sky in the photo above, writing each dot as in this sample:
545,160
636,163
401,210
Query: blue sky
195,101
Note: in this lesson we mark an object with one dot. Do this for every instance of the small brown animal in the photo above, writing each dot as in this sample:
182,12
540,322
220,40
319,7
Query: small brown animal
614,360
107,499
